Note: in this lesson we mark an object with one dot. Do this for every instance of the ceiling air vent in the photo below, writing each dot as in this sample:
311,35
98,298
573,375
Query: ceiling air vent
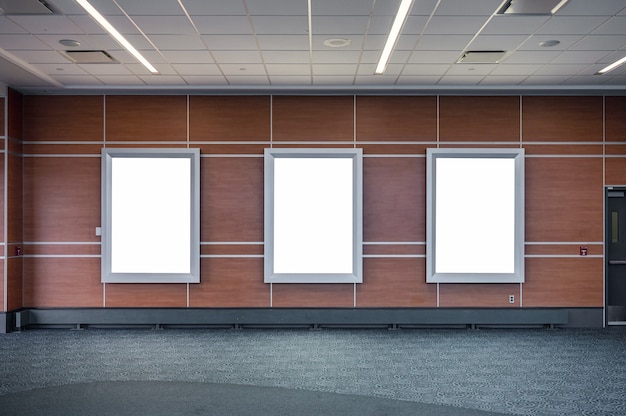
13,7
89,57
525,7
482,57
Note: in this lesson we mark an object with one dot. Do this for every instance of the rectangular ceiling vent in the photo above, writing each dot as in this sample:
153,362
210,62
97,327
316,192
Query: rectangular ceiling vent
89,57
526,7
14,7
482,57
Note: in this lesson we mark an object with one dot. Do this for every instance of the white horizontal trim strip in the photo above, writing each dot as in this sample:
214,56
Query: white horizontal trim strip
394,255
400,243
573,243
61,256
264,142
397,155
572,156
596,256
61,243
60,155
227,243
214,256
230,155
62,142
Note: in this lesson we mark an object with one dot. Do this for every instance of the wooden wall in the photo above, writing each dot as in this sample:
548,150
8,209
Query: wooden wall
574,145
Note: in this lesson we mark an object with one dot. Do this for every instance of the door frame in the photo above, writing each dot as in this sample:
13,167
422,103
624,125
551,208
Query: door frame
607,225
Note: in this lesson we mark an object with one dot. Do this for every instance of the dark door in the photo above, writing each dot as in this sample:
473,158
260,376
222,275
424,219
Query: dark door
616,254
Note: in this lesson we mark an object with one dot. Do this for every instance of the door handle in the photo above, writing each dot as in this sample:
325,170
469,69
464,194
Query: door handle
617,261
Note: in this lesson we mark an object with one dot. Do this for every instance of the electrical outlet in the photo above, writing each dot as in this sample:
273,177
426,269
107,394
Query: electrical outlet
511,298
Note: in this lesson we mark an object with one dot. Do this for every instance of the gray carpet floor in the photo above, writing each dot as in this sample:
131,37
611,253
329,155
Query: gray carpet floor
366,371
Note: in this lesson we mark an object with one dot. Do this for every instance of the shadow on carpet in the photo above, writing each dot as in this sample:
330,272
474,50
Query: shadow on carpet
156,398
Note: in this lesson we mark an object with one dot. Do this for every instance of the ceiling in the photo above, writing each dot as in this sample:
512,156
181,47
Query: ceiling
265,45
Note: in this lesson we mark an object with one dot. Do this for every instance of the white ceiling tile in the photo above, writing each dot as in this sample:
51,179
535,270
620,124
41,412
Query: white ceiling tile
579,57
615,56
418,80
68,7
571,25
231,42
119,79
344,7
614,26
533,43
377,42
7,26
87,42
591,8
61,69
164,25
414,26
375,80
174,42
334,69
40,57
248,57
56,24
443,42
16,42
339,25
283,42
105,7
560,70
285,57
433,57
455,25
507,25
515,69
215,8
247,80
601,42
381,25
222,25
288,69
275,7
425,69
78,80
280,25
197,69
243,69
335,56
90,27
420,7
470,69
585,80
150,8
468,8
543,80
392,69
188,57
503,80
497,42
105,69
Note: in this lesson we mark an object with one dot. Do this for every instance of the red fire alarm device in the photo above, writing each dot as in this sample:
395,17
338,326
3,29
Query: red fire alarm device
583,251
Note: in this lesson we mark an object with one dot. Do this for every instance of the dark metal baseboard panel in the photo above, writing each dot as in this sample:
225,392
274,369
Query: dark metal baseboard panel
303,317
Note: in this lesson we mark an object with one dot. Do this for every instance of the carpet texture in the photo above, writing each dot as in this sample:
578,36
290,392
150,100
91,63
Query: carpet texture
520,372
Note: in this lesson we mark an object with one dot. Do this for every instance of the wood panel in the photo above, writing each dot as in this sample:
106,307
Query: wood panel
563,249
241,118
146,118
569,282
29,249
483,119
15,103
396,118
14,283
66,118
563,149
232,249
478,295
61,199
615,119
62,282
14,198
314,295
386,249
230,282
2,276
171,295
394,195
562,119
395,148
61,149
231,201
564,199
2,207
395,282
615,171
231,149
312,118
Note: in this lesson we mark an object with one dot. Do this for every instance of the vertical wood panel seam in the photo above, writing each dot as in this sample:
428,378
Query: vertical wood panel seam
604,271
5,302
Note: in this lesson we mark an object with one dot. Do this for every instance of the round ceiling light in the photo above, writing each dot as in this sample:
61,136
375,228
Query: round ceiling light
549,43
69,42
337,42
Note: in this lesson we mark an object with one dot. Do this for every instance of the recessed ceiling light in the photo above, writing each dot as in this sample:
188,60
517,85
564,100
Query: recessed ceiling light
549,43
337,42
69,42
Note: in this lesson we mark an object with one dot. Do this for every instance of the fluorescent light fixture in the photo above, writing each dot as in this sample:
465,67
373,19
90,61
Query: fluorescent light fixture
612,66
558,6
403,12
116,35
